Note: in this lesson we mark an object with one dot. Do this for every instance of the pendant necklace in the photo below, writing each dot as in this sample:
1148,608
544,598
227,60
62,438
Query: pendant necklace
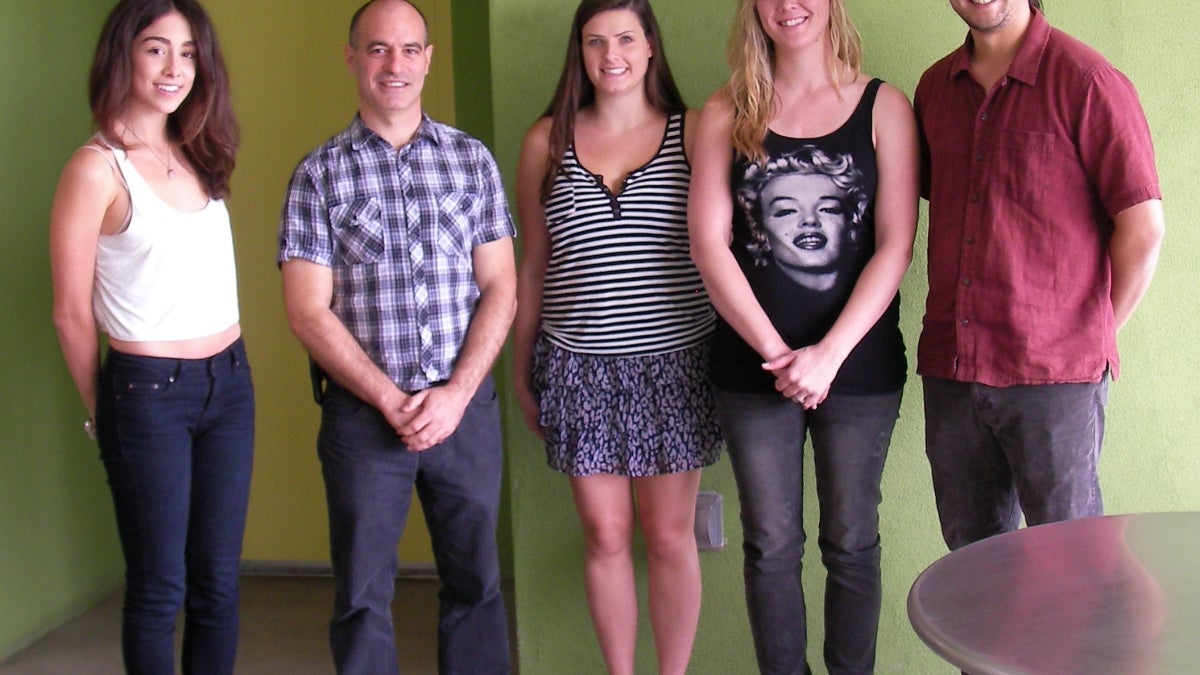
167,163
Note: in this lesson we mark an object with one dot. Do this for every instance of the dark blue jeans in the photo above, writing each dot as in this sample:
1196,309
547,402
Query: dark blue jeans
177,437
369,478
996,452
850,437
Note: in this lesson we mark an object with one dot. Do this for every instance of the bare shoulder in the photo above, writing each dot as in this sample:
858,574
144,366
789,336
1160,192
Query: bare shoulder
691,118
93,165
89,182
719,104
535,153
538,136
716,117
891,98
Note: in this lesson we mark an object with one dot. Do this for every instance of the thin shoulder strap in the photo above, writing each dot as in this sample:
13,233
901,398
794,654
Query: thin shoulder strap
869,94
861,120
99,145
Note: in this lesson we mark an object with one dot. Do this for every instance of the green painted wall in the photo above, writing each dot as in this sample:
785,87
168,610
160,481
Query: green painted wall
58,544
58,548
1149,464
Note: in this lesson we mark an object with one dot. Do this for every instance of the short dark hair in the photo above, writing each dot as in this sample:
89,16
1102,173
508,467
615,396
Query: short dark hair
1035,4
204,125
359,12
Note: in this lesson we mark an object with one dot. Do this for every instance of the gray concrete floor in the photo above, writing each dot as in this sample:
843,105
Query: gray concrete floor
283,630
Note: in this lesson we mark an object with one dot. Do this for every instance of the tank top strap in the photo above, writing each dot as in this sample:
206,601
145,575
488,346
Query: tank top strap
861,119
674,132
141,195
98,143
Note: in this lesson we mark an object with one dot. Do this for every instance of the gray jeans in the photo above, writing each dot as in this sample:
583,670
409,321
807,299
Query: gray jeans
850,436
996,452
369,479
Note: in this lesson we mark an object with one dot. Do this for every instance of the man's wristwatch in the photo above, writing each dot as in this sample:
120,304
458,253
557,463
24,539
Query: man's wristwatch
90,427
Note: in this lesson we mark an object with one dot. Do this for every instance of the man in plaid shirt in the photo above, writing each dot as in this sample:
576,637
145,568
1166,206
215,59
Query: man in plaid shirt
398,275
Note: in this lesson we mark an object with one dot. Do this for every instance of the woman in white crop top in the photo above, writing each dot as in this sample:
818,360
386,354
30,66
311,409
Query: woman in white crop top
141,250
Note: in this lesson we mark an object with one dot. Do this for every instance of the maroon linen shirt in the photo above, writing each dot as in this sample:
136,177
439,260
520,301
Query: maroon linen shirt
1022,183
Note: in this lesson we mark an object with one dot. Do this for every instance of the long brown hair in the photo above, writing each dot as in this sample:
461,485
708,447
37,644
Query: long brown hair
575,91
204,124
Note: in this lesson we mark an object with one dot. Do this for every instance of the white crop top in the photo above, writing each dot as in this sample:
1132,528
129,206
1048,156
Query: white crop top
170,275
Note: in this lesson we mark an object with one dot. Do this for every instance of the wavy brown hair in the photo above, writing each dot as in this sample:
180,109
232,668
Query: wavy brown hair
575,91
203,126
751,85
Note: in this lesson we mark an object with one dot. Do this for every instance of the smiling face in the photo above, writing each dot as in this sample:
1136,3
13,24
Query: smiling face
389,57
794,23
992,16
806,218
616,53
164,65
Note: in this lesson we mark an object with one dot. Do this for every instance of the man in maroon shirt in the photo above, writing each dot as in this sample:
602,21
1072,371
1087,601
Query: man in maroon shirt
1045,221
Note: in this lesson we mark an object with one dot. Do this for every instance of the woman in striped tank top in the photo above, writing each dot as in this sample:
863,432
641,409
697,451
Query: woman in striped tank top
613,323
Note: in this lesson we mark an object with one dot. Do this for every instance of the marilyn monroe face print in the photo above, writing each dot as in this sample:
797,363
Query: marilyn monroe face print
804,212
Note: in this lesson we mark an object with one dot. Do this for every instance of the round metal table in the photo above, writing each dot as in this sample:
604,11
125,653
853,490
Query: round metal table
1115,594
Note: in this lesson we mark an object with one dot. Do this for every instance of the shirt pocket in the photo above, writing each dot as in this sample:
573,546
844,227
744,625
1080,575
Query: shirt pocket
560,204
1028,157
455,214
357,231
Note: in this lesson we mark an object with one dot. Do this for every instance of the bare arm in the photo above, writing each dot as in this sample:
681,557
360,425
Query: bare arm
710,228
808,373
690,120
307,294
535,256
438,410
86,194
1136,241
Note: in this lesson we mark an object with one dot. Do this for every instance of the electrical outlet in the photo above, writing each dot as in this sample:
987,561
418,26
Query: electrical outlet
710,523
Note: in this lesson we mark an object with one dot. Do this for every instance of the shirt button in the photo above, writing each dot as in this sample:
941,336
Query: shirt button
975,198
983,117
966,281
979,157
432,374
965,322
970,239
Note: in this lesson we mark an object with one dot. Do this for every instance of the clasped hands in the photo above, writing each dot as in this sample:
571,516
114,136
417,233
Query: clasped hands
428,417
803,375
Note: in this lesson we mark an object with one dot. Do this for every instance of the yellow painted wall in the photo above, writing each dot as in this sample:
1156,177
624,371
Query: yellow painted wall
291,92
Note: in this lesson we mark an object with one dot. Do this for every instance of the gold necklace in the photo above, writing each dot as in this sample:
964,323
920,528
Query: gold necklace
167,163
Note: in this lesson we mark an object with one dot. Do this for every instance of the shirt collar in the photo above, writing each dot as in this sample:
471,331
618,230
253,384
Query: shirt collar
361,134
1026,63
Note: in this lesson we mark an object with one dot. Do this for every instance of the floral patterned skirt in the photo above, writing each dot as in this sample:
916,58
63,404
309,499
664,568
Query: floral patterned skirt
630,416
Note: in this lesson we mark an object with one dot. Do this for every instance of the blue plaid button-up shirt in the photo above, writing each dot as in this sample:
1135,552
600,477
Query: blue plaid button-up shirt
397,227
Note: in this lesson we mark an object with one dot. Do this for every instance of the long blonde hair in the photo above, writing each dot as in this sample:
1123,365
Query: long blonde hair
751,84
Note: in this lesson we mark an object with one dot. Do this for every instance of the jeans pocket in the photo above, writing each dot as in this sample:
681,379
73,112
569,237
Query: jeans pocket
140,377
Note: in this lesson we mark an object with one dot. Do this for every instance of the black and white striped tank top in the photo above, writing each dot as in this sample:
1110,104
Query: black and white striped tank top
620,280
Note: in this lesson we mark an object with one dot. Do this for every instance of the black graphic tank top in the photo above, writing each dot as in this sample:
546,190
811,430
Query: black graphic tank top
803,230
